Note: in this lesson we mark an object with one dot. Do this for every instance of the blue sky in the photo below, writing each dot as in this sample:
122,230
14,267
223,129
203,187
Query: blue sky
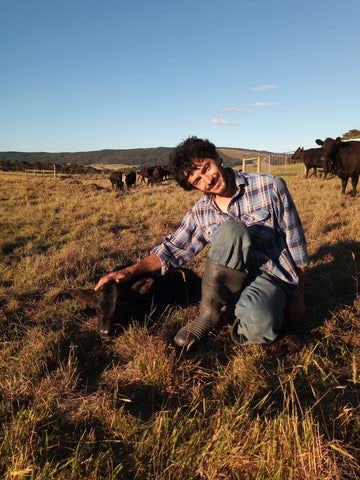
80,75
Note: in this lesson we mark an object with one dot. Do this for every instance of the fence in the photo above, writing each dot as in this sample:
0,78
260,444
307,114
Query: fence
42,173
274,163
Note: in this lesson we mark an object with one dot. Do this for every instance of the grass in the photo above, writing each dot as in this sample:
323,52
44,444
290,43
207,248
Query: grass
74,407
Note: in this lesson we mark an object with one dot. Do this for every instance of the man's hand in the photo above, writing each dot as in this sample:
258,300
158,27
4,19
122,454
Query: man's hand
149,264
120,276
295,307
295,310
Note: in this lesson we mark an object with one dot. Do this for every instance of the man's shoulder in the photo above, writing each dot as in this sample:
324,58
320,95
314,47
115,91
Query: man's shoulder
256,178
201,202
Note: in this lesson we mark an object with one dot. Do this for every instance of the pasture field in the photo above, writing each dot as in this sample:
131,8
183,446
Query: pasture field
134,407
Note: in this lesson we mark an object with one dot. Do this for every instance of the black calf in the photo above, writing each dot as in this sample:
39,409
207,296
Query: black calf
116,304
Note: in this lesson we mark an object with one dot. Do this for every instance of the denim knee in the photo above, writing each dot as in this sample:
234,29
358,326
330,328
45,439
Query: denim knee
231,245
259,312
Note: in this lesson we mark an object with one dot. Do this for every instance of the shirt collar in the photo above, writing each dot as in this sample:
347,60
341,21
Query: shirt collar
240,184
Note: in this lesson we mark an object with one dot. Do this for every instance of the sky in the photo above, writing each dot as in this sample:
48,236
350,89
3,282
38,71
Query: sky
83,75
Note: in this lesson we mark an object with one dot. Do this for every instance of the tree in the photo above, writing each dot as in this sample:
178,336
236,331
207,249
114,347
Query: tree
351,134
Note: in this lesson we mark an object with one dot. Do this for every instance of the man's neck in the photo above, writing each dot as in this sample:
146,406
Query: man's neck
222,201
231,186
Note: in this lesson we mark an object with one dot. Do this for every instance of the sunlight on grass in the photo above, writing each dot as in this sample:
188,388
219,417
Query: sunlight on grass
134,407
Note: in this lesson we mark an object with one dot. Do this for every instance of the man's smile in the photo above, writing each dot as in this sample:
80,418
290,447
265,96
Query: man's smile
213,183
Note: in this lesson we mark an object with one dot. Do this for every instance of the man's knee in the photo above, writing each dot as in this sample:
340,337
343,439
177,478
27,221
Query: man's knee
249,330
259,315
230,231
231,245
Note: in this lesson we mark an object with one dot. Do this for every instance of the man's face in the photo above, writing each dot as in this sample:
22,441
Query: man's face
210,177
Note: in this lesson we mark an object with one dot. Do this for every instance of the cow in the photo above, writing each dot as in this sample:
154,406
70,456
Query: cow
130,179
146,173
116,181
166,171
311,158
116,304
343,159
158,174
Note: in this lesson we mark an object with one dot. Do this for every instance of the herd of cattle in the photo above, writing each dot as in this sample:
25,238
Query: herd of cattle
341,158
151,175
335,156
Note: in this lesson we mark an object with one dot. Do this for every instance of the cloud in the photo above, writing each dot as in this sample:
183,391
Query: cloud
264,87
233,110
220,121
262,104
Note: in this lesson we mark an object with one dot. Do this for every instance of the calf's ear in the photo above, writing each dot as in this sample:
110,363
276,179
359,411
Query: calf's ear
88,296
319,142
143,285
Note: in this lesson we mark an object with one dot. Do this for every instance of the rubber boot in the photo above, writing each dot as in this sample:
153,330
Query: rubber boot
219,284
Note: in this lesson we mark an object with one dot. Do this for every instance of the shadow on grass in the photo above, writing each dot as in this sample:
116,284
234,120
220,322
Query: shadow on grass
332,282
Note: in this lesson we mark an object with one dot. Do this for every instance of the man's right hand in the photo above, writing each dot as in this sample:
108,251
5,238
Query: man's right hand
120,276
149,264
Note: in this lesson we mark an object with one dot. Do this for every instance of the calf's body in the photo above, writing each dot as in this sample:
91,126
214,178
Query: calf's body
116,304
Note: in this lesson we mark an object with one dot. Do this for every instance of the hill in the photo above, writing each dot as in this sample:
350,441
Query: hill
137,156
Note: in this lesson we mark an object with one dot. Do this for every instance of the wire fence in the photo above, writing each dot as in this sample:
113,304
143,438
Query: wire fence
42,173
274,164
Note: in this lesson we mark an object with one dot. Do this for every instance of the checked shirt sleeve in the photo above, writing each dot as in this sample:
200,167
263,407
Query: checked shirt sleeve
290,223
180,247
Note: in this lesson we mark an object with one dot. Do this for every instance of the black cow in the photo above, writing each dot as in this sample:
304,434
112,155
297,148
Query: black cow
167,172
116,304
130,179
343,159
311,158
116,181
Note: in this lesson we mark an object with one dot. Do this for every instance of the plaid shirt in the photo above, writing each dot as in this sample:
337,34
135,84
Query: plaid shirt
263,203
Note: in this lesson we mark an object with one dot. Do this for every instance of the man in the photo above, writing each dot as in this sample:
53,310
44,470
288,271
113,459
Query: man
254,273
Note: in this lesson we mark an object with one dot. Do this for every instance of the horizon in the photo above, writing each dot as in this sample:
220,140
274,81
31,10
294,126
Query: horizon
124,149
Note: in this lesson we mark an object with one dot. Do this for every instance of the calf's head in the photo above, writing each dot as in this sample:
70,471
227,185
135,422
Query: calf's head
115,303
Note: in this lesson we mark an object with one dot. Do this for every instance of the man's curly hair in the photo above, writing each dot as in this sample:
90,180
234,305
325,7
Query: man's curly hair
181,160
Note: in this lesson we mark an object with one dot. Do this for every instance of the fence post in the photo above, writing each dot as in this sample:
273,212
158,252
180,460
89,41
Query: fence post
244,164
259,164
54,170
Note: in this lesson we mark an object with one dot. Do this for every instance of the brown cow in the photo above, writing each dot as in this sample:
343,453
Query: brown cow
146,173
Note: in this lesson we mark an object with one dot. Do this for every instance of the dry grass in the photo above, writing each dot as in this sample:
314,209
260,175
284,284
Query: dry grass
74,407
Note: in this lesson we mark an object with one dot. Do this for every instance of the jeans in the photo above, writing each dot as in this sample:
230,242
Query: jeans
260,305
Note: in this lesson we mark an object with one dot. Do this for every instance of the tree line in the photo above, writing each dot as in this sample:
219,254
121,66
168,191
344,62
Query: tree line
22,165
138,156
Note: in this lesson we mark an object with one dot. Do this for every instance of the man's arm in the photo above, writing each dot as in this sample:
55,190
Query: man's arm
149,264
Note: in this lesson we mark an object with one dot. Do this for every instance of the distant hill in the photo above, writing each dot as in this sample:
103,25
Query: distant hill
137,156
